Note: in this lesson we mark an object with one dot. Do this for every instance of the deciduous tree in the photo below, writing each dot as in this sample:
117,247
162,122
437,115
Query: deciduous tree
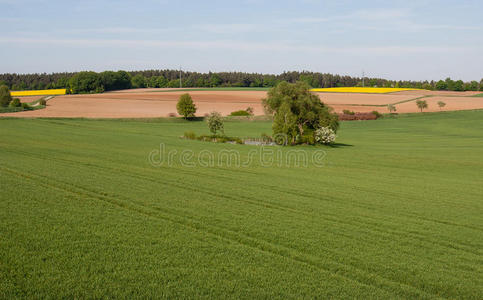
422,104
185,106
5,97
215,122
297,110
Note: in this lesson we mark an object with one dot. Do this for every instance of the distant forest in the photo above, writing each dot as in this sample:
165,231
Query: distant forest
92,82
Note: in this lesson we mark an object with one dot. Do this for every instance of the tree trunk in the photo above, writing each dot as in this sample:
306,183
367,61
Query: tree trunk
301,129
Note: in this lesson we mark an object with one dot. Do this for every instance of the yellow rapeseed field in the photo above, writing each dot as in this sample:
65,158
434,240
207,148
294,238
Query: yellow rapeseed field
369,90
38,92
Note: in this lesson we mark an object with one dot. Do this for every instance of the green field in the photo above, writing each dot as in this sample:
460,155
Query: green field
395,211
214,89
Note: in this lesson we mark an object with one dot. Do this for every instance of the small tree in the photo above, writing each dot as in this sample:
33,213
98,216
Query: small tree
391,108
5,97
185,106
422,104
441,104
215,122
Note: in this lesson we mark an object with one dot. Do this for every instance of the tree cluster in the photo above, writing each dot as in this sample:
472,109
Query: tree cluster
298,113
91,82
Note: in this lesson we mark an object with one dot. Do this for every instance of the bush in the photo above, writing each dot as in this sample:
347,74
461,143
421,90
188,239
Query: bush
240,113
306,139
215,122
190,135
348,112
219,138
15,103
43,102
25,106
377,114
266,138
324,135
185,106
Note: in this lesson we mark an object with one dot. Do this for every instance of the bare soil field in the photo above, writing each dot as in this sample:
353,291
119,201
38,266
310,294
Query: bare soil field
150,103
363,99
437,93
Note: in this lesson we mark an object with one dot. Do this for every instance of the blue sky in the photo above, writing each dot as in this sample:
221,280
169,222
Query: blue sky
392,39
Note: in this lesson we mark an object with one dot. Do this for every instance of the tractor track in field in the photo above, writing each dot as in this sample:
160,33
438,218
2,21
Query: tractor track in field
421,237
335,268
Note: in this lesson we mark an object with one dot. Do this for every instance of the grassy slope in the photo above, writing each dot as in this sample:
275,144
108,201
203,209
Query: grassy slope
398,213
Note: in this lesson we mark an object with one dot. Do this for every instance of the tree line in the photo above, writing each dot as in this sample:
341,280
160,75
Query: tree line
93,82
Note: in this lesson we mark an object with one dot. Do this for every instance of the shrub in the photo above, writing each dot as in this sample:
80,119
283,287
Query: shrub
376,113
324,135
215,122
15,103
25,106
250,110
42,102
240,113
266,138
348,112
185,106
441,104
306,139
190,135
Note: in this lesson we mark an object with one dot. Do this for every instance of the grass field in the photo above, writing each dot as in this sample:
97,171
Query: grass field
395,212
364,90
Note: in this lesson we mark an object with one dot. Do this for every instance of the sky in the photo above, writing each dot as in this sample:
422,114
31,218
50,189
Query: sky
400,40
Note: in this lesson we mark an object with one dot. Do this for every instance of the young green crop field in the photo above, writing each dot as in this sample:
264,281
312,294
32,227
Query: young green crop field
394,211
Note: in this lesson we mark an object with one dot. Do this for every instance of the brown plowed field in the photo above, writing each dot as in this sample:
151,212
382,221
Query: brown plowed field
437,93
149,103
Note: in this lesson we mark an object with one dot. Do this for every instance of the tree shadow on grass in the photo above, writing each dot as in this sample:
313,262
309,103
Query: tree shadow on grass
339,145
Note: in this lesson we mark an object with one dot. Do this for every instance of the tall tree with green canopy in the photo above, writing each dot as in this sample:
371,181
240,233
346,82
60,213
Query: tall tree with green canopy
295,107
5,97
86,82
138,81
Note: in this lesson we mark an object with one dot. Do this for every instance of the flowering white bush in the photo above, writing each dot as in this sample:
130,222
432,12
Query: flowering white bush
324,135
